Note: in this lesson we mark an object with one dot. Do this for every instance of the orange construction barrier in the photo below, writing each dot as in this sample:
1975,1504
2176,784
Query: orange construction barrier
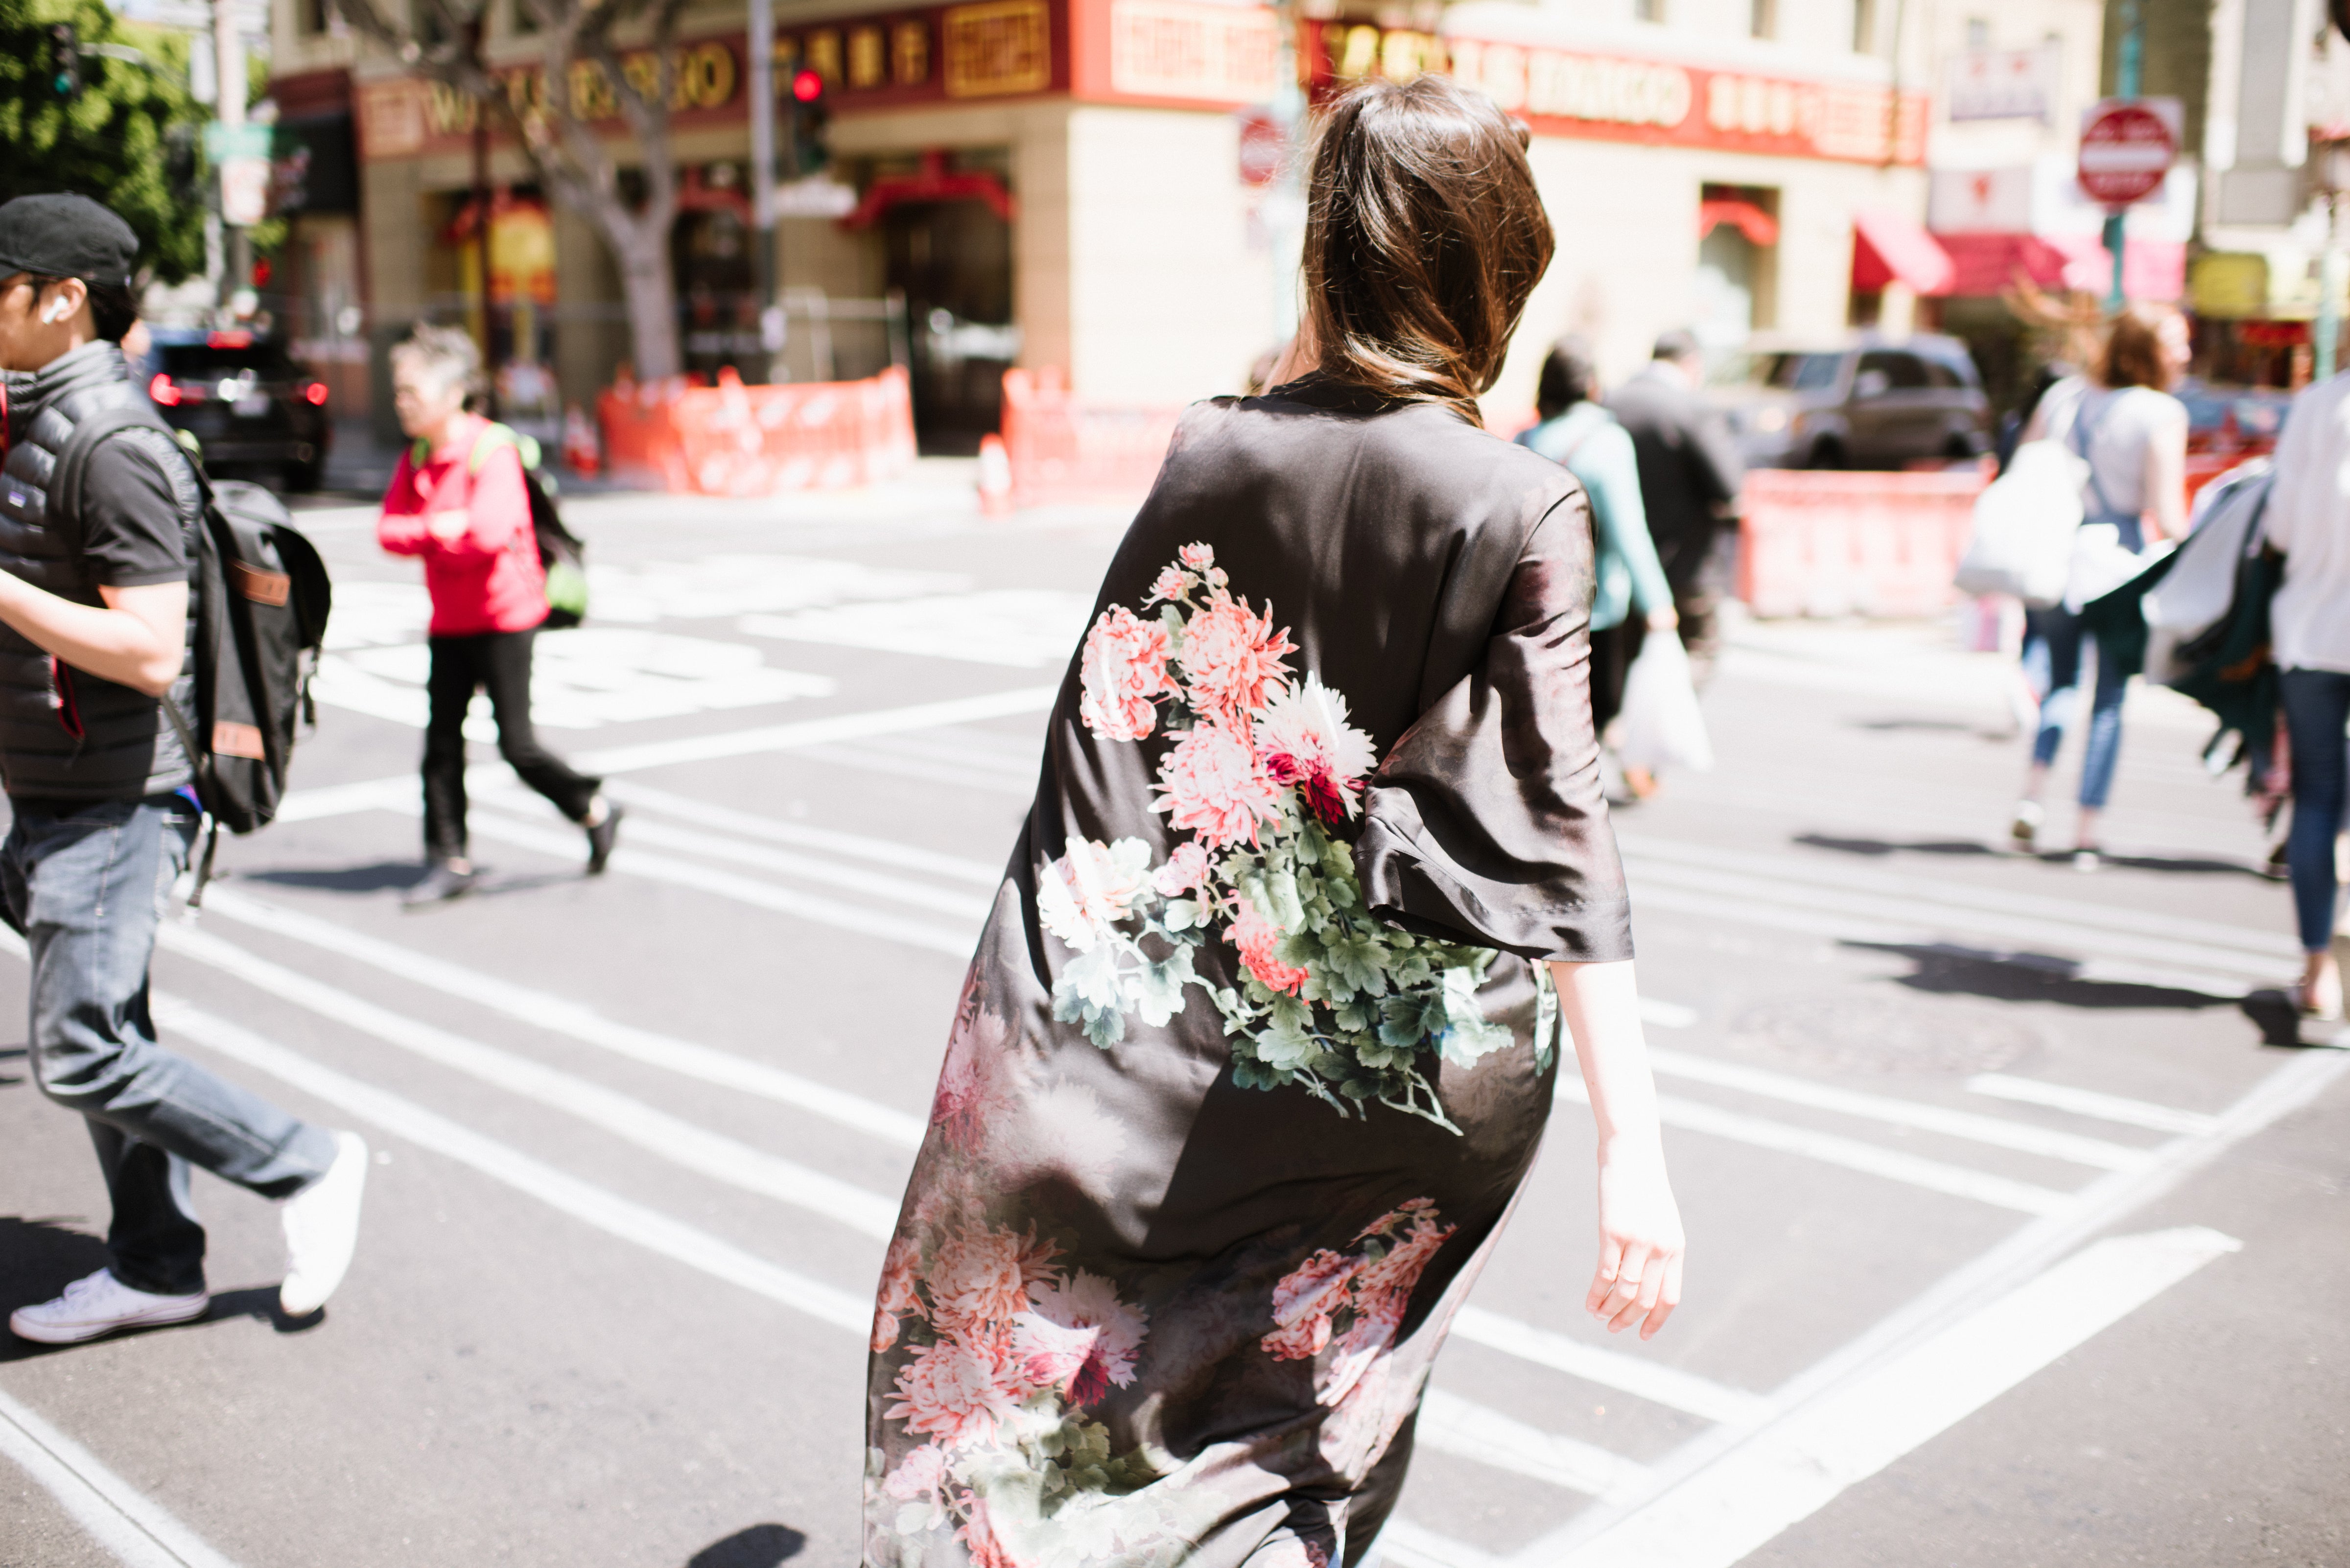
1061,451
733,440
1821,543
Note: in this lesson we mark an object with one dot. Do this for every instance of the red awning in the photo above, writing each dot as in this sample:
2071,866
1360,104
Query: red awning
1759,227
1886,247
1984,265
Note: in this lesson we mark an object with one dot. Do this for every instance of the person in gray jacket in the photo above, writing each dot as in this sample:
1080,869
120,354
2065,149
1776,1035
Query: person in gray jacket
95,629
1690,473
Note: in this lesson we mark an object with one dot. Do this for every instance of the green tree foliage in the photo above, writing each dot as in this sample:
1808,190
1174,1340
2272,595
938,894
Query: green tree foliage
129,139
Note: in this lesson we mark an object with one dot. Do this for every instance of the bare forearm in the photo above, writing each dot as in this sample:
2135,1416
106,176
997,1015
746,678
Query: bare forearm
1601,1004
113,643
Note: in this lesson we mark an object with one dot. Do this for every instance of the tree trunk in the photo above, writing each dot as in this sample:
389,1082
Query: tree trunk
650,289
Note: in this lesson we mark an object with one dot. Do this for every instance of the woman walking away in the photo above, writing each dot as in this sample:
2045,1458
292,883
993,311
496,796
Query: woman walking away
2133,434
2308,518
1632,598
459,500
1256,1049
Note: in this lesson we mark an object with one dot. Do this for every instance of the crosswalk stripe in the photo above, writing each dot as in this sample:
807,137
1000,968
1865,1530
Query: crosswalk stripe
137,1531
2019,1136
2090,1103
680,1142
851,845
1957,1181
575,1020
1453,1426
873,883
1648,1380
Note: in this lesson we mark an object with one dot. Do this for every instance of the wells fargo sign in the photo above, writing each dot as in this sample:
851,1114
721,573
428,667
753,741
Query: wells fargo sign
1572,92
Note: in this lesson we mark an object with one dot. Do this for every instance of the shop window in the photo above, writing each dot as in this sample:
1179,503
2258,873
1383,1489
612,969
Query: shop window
1736,285
310,17
525,20
1763,18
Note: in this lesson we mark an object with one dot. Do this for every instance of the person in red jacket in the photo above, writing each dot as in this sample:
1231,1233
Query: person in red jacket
469,518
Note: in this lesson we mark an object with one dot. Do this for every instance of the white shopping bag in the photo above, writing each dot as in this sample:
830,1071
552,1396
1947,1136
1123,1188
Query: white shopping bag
1662,727
2023,526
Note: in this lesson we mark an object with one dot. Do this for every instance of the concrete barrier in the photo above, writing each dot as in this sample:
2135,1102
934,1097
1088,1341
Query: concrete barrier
1836,544
733,440
1063,451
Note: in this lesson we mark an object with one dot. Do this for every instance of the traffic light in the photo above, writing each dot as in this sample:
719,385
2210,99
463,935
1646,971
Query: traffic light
810,115
65,60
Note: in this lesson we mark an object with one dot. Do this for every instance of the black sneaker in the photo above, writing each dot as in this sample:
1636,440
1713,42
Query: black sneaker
601,837
442,883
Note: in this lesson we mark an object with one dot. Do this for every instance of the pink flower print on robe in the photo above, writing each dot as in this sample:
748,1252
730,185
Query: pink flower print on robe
1123,671
1213,784
959,1391
979,1277
1256,937
978,1536
1373,1292
1231,657
899,1294
1080,1338
1305,741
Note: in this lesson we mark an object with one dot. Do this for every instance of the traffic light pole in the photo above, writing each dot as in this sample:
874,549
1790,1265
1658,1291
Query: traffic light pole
229,47
762,173
2126,74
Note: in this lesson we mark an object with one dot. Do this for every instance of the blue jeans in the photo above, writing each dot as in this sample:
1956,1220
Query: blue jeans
85,883
2052,661
2316,709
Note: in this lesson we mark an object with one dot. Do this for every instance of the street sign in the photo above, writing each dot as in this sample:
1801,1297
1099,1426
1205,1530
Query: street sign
240,155
2127,146
1264,147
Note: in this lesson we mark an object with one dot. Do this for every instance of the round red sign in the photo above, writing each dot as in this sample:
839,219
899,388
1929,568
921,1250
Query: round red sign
2126,151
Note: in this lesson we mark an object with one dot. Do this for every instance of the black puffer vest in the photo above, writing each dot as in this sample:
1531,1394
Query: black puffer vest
125,749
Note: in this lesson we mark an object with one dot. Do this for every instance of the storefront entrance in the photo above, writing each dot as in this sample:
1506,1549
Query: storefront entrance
952,262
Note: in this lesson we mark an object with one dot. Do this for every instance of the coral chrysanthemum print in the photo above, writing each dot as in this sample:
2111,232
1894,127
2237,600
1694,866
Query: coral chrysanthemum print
1264,771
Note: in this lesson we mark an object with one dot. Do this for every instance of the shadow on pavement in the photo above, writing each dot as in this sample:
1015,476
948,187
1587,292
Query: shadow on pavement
386,876
11,1054
761,1546
1947,970
1878,849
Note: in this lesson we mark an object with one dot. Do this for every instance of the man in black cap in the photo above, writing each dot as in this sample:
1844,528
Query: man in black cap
95,629
1690,473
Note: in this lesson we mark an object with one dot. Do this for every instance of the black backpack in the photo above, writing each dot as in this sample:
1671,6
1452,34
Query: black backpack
260,596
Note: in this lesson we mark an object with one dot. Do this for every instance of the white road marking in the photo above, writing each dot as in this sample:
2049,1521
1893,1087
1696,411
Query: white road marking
2090,1103
873,883
562,1015
1957,1180
855,845
1946,894
680,1142
874,759
1614,1369
1453,1426
564,843
1030,628
1407,1545
374,794
138,1532
1785,904
607,1211
1800,1463
2019,1136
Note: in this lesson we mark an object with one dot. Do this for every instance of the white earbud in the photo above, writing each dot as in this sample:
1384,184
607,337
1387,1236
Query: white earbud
56,312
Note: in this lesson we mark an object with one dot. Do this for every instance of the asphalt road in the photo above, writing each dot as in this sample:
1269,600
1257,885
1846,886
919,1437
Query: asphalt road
2016,1232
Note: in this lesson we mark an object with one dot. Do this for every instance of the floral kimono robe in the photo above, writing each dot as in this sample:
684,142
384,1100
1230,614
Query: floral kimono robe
1252,1061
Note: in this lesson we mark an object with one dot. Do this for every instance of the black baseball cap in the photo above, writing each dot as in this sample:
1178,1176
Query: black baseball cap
67,236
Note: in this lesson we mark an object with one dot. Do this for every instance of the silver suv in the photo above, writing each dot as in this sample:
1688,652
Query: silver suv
1873,402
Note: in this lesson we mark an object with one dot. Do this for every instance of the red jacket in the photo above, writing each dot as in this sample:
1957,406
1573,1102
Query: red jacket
488,577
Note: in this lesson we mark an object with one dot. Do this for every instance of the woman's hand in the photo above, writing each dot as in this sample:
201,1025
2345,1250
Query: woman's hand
1664,618
449,526
1641,1244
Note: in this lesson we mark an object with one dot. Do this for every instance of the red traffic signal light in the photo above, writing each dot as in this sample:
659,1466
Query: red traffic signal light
806,85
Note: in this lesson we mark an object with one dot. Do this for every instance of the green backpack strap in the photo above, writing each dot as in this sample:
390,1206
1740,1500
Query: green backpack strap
497,436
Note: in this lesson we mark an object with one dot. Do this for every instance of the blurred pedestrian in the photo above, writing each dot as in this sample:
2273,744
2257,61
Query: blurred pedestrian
2308,519
96,623
459,500
1632,597
1690,474
2122,421
1252,1064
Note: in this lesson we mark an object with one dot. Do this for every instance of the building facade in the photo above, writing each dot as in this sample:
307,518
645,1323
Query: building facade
1093,186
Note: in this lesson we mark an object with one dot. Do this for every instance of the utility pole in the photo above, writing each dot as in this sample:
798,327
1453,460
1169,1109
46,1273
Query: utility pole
2127,71
1284,210
763,176
228,47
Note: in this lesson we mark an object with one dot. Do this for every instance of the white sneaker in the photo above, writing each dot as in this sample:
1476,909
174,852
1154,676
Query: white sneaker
100,1304
322,1227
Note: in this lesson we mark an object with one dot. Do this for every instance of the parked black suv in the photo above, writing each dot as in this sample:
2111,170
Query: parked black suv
1865,402
251,408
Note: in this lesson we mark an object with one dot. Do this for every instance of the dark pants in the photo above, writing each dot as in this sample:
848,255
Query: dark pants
499,661
1613,648
86,885
2316,709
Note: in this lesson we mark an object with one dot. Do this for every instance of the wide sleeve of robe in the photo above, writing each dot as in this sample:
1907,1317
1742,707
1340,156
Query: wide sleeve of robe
1487,822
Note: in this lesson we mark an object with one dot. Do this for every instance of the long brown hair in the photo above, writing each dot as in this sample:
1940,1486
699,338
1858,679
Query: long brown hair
1424,236
2133,354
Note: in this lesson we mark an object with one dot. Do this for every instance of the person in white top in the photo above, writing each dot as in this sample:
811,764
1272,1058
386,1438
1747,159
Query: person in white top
2308,519
2133,434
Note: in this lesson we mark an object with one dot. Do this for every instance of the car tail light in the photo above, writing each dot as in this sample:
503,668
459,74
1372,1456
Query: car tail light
161,389
314,394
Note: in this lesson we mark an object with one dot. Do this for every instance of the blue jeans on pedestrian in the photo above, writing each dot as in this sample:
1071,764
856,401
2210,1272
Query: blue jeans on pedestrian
2052,661
85,883
2316,710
